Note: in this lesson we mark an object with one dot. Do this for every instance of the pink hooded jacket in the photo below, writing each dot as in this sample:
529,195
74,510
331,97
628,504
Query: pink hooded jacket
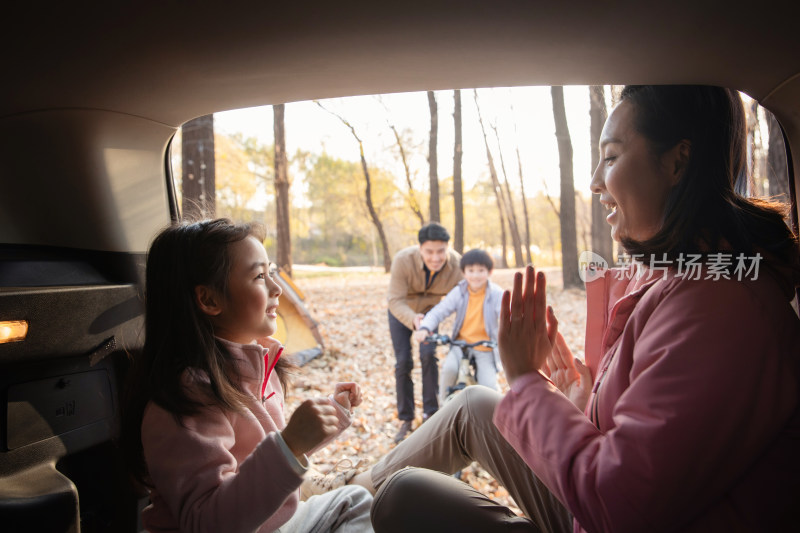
693,424
222,470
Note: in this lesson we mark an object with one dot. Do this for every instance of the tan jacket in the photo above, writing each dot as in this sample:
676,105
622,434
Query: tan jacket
407,293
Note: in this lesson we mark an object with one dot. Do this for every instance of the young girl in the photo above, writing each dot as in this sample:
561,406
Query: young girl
205,427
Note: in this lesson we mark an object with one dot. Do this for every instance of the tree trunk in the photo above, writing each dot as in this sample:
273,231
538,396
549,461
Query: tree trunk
601,231
616,94
387,259
376,221
498,193
524,198
516,241
751,186
432,159
503,238
197,153
777,170
458,195
284,248
525,211
412,198
569,244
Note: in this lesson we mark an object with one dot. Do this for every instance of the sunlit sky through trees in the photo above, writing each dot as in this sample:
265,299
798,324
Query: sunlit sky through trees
321,204
523,117
529,109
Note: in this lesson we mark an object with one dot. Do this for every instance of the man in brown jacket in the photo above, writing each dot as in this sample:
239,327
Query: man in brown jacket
421,276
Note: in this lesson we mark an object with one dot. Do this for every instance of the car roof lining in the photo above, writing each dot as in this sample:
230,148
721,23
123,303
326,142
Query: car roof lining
170,63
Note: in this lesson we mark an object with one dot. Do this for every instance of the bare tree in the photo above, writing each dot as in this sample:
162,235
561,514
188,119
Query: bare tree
495,185
197,154
412,198
387,259
751,186
601,232
569,244
519,260
282,184
616,94
583,220
550,199
522,192
458,193
777,168
432,159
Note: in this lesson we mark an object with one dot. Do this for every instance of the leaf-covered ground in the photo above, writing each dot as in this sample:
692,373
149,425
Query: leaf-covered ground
352,312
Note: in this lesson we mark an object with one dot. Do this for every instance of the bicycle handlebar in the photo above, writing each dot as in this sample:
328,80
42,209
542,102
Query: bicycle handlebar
445,339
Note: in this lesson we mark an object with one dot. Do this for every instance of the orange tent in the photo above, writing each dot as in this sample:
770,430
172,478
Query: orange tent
297,329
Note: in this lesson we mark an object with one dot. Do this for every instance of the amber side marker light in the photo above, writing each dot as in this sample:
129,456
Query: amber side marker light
13,330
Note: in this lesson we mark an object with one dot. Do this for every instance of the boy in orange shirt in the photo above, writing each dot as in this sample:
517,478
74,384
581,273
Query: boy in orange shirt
476,303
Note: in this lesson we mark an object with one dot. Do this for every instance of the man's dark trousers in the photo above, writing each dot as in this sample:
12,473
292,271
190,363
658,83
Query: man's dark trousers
401,340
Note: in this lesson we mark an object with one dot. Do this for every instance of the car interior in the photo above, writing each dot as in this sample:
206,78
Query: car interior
92,97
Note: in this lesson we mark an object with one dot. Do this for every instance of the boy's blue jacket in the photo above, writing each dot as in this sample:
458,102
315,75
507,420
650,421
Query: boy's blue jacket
456,302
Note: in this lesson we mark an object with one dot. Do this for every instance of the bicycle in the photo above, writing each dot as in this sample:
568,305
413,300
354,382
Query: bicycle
467,367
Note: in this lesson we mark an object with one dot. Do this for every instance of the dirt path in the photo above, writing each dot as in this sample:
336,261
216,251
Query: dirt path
352,313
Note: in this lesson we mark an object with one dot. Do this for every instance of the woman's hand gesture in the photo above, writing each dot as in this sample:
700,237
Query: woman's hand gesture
525,338
569,374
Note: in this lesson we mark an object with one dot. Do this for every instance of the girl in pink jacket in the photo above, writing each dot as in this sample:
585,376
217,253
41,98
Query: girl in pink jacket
686,416
205,428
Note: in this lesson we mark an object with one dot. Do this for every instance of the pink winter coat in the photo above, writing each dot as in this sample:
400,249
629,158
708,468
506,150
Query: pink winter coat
694,425
222,470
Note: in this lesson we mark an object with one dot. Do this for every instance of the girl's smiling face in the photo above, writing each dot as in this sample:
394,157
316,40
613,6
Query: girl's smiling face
632,181
249,309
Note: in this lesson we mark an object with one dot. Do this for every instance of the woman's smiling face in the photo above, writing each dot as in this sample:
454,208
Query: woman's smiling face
631,179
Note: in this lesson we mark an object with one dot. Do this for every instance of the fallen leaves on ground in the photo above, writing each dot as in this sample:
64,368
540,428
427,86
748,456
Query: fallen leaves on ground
352,315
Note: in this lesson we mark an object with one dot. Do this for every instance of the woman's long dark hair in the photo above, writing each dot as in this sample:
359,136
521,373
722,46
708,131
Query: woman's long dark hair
178,335
704,212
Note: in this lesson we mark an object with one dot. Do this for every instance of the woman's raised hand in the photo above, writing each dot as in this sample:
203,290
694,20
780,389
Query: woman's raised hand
569,374
313,422
525,339
348,395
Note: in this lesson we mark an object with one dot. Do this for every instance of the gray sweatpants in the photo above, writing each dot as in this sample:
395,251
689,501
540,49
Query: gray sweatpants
459,433
343,510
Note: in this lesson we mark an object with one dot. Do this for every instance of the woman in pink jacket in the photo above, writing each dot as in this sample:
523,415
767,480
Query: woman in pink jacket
204,427
685,417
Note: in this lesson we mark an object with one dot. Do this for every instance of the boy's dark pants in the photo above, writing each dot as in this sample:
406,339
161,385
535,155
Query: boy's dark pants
401,340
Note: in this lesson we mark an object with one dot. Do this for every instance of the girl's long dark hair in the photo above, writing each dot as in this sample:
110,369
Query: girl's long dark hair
704,211
178,335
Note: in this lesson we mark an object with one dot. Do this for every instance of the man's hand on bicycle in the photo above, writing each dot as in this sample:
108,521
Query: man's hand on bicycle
421,334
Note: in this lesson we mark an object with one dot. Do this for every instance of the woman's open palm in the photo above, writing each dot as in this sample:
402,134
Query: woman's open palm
569,374
525,338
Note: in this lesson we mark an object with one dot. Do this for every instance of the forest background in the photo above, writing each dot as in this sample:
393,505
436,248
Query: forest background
348,182
505,169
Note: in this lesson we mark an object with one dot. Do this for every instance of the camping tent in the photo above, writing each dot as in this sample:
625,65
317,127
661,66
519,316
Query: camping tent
297,330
